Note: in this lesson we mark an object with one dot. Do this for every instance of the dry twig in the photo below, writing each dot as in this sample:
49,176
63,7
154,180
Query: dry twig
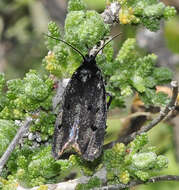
14,142
110,14
70,185
138,182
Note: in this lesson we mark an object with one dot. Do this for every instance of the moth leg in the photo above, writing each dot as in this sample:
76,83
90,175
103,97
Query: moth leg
110,100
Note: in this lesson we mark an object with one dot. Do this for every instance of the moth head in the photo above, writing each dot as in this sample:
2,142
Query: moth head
89,59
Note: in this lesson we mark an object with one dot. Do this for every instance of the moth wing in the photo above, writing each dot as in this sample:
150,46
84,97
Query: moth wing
84,108
93,118
71,99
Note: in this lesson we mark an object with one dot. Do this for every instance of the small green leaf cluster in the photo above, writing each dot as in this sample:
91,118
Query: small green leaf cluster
26,95
53,30
105,60
43,164
44,125
148,13
85,29
76,5
134,161
114,164
133,72
124,163
34,167
94,182
88,168
9,184
55,61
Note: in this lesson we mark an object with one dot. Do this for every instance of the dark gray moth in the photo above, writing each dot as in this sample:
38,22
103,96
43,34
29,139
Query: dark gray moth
84,112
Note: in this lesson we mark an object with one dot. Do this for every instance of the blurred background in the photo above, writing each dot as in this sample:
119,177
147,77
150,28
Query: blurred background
22,24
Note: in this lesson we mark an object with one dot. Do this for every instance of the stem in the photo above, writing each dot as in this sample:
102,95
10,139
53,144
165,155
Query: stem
14,142
138,182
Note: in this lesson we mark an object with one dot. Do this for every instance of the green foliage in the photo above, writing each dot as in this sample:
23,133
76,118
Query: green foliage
144,160
22,97
86,167
135,72
35,167
83,29
169,12
35,88
162,162
92,183
44,125
124,163
153,98
76,5
43,164
27,95
148,13
162,75
53,30
127,162
9,184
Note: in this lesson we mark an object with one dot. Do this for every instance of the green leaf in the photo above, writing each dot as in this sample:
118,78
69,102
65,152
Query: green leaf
150,82
161,99
144,160
148,96
163,75
138,83
54,31
76,5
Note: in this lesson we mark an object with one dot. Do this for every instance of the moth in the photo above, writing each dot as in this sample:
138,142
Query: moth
84,114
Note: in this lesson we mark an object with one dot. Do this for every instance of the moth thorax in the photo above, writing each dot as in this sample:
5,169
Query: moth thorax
85,75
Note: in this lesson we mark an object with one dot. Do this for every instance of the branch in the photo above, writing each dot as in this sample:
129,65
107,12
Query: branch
71,184
137,114
138,182
110,14
14,142
153,123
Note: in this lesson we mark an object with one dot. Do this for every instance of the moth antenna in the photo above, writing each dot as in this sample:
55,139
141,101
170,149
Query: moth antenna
106,44
68,45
